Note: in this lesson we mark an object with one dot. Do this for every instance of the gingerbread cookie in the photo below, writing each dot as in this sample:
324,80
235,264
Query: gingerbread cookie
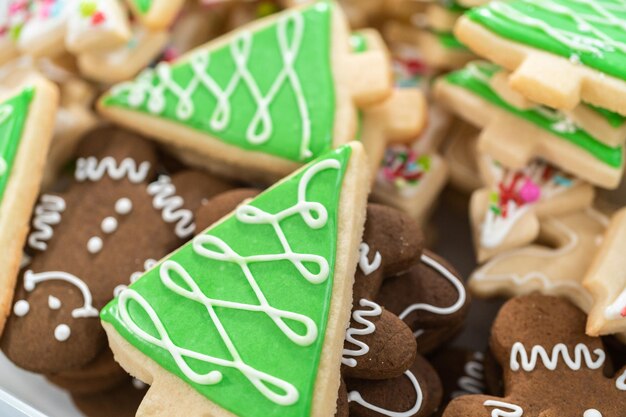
27,113
306,227
606,282
548,362
506,214
293,112
577,41
558,268
90,240
430,298
119,401
546,133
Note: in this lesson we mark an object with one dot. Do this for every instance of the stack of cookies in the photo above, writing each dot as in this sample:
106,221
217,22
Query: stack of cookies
224,208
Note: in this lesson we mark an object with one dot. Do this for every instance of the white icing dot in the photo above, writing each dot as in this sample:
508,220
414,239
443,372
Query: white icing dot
123,206
94,245
109,225
138,384
21,308
62,332
592,412
53,302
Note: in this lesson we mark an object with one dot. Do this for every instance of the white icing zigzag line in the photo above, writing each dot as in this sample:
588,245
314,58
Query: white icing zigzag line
93,169
357,398
366,266
551,361
47,214
261,126
263,382
434,309
359,316
514,410
165,199
31,280
620,383
472,381
147,265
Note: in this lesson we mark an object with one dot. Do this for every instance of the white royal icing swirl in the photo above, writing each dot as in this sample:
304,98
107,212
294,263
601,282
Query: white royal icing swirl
364,263
360,317
504,409
620,382
172,206
94,169
473,380
47,214
432,263
582,356
355,396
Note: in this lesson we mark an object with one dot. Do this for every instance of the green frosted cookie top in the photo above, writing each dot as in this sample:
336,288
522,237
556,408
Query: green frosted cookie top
476,78
269,90
13,116
143,6
590,32
240,312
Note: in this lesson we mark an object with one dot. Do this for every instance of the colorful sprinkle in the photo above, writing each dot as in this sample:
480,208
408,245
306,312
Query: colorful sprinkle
403,167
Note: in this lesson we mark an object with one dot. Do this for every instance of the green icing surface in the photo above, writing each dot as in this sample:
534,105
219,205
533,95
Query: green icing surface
13,115
258,340
448,40
358,42
589,31
269,90
475,78
614,119
143,5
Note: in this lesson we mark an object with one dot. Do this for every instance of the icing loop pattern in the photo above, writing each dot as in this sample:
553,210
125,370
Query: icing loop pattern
360,317
357,398
620,383
582,356
47,214
504,409
165,199
92,169
152,86
178,280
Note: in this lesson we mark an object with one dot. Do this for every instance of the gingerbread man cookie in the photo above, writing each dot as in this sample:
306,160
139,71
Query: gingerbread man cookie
551,368
90,240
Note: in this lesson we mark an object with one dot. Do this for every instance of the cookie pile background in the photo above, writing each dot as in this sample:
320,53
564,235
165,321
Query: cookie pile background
360,208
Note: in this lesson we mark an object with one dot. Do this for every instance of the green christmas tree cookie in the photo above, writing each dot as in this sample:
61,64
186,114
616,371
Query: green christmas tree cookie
261,101
248,319
27,117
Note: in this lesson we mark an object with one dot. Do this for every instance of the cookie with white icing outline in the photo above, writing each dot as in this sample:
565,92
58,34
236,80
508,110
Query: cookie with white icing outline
430,297
474,94
506,213
555,265
292,112
89,242
560,53
277,275
27,112
551,368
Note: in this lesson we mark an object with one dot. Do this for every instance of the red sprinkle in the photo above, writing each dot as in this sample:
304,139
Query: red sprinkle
98,18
